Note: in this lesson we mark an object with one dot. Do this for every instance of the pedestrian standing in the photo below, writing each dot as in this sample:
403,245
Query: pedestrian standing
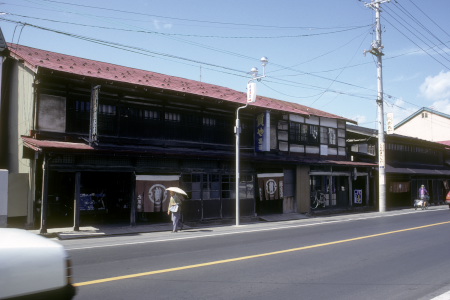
175,209
423,195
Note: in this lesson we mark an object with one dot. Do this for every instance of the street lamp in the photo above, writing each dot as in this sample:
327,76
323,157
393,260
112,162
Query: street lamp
251,98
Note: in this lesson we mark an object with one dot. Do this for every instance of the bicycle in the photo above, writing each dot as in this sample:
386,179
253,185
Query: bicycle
422,203
319,199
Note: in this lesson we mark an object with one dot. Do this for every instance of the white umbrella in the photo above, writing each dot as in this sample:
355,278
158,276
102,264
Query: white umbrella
176,190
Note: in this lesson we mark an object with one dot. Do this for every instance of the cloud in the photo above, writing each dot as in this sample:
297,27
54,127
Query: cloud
436,88
360,119
403,78
399,109
442,106
159,24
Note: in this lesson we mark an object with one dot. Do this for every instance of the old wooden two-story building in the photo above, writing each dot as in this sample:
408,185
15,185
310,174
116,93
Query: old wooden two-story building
110,139
410,162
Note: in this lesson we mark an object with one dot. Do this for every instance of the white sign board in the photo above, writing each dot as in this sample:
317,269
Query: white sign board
390,123
251,92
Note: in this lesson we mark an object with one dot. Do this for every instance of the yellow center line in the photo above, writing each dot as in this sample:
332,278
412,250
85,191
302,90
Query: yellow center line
224,261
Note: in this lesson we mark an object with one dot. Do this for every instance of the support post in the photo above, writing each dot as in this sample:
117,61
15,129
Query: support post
133,200
44,195
237,131
76,202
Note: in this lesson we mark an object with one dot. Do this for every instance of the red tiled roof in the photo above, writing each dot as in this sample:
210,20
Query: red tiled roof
36,58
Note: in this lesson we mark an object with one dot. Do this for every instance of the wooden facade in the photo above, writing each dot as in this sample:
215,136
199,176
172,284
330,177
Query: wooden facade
103,142
410,162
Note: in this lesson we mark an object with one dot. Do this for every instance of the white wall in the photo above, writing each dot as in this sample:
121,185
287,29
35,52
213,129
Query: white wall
433,128
18,195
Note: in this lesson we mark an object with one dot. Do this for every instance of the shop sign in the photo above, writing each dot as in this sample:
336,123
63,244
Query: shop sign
271,186
262,134
357,197
390,123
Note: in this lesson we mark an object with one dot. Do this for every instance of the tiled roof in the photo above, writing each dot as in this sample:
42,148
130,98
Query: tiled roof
447,143
36,58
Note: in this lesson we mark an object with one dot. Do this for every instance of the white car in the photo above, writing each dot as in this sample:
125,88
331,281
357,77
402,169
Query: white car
33,267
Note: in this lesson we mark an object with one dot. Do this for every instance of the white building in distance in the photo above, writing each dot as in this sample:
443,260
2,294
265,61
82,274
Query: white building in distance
426,124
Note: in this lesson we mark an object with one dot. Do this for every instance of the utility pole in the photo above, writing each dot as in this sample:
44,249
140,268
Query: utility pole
377,50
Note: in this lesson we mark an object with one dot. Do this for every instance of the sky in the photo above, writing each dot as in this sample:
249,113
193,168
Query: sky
316,49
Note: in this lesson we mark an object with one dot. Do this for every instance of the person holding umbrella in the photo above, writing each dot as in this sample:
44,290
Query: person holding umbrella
175,207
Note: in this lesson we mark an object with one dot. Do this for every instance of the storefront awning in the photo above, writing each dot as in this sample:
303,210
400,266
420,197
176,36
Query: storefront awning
49,145
39,145
416,170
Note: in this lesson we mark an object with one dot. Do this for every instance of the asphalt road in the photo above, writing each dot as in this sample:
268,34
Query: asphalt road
367,256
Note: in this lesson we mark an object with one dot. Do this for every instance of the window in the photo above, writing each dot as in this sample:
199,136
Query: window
294,132
82,106
149,114
209,122
332,136
304,133
172,117
328,136
324,135
228,187
313,134
109,110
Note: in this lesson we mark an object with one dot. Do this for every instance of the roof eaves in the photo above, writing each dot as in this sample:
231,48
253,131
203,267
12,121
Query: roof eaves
27,63
406,120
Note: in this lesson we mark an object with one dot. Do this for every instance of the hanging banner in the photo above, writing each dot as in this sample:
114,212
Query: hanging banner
151,192
271,186
390,123
262,133
251,92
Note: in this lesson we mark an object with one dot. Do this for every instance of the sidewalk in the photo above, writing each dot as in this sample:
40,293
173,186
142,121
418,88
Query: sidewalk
100,230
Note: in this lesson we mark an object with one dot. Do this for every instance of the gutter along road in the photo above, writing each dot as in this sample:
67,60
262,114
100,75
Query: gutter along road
393,255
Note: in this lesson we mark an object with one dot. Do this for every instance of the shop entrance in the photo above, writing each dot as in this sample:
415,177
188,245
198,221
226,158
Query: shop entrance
333,188
270,193
104,197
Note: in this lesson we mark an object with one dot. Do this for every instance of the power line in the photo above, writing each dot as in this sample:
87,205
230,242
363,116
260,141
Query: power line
190,35
415,35
199,21
153,53
421,25
445,32
212,66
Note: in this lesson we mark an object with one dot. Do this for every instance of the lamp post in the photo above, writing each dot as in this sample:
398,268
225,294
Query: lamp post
251,98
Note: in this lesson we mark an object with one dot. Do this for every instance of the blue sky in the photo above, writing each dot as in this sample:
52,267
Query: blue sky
315,48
